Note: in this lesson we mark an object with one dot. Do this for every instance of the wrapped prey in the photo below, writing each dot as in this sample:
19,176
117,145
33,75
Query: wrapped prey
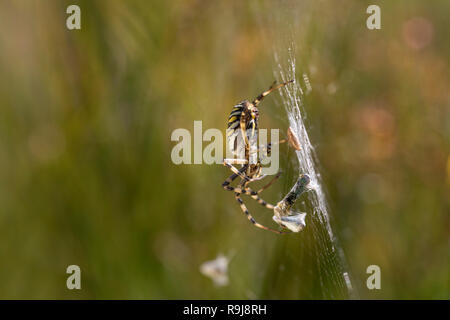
284,216
292,139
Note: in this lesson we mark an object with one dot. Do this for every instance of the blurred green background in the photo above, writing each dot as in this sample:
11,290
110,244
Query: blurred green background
86,176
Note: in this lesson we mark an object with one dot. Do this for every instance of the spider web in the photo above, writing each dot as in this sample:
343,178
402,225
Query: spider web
321,254
312,265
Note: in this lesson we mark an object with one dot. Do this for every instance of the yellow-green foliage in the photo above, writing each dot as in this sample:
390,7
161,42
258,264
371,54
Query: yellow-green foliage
85,123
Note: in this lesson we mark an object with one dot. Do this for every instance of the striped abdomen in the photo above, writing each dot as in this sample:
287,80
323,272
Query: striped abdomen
234,137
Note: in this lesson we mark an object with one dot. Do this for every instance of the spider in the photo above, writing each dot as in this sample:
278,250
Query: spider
242,138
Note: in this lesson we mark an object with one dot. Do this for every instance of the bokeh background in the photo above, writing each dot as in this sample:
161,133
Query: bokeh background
86,176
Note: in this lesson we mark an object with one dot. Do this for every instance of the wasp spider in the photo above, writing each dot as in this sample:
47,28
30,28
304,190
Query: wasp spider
242,141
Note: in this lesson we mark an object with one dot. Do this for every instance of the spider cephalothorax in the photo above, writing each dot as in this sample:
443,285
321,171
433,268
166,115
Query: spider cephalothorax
242,134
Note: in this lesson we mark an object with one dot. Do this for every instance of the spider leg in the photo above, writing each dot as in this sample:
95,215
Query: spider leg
244,209
230,179
269,145
267,149
259,98
243,189
246,190
270,183
229,163
254,195
258,178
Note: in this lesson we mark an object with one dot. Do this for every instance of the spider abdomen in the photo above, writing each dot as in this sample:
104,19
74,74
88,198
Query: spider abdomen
236,143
